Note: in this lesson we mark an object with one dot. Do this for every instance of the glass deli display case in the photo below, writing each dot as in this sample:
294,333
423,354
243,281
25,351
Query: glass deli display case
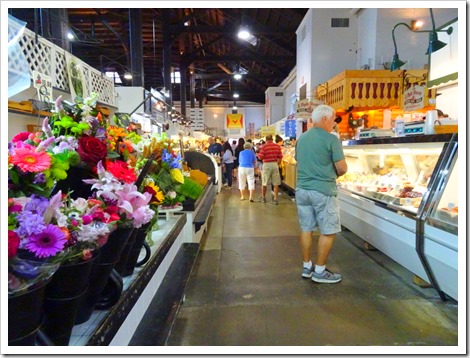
400,195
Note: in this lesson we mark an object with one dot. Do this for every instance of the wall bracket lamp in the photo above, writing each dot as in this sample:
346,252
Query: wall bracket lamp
433,46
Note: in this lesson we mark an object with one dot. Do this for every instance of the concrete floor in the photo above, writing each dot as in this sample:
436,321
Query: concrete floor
245,289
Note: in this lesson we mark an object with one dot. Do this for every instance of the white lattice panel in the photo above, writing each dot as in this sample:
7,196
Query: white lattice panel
49,59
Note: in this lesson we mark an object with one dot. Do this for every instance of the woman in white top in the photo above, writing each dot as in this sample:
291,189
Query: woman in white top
227,160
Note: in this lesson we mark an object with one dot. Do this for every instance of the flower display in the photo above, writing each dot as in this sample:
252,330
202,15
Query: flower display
113,187
76,180
50,231
35,164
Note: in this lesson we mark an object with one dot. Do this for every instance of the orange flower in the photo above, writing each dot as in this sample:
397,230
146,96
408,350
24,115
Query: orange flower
65,231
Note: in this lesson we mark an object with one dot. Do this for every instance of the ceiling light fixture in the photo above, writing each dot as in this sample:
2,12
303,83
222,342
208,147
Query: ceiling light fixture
244,33
416,24
433,46
236,95
70,35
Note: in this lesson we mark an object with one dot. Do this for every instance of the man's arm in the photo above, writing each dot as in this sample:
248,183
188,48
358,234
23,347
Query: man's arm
341,167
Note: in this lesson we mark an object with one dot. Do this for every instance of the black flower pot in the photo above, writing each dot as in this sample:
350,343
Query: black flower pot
59,318
27,340
109,256
25,312
62,298
140,235
121,264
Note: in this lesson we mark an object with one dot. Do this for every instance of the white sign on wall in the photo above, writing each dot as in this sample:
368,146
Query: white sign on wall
196,115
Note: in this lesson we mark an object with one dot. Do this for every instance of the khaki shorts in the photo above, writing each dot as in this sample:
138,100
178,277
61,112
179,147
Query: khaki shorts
316,210
270,172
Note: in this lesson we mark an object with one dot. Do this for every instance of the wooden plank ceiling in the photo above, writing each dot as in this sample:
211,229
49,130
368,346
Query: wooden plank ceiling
208,45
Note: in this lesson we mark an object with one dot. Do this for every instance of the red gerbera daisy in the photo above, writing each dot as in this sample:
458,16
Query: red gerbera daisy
121,171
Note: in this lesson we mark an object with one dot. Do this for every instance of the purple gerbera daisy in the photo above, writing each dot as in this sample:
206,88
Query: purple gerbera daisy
48,243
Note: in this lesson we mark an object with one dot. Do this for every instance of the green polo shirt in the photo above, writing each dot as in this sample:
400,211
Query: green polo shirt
316,152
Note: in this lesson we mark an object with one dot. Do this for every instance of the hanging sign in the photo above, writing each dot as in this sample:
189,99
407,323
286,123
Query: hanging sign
291,128
43,85
265,130
305,107
76,76
235,120
413,98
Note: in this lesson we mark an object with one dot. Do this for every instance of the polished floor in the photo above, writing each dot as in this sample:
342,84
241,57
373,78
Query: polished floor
245,290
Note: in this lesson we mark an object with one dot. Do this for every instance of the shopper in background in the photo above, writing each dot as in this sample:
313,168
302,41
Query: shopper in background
246,171
238,149
234,145
335,130
280,142
271,155
259,162
320,161
214,147
227,160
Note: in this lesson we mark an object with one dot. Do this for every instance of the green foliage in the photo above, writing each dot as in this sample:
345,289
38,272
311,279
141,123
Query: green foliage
190,188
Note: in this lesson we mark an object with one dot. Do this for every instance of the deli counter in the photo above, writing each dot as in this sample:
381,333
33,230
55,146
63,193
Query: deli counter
400,195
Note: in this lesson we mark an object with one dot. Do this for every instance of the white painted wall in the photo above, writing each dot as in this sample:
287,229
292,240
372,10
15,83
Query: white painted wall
448,102
324,51
366,39
215,118
128,98
334,49
304,51
288,92
255,115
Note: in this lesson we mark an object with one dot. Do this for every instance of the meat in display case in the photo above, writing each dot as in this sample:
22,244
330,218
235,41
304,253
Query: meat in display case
392,197
394,175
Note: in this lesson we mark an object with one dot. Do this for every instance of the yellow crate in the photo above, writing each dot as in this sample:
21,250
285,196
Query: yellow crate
450,128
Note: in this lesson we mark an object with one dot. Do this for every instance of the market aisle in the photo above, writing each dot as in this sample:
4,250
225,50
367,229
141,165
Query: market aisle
245,289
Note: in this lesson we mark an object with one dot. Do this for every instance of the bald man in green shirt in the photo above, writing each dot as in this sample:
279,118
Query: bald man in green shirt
320,161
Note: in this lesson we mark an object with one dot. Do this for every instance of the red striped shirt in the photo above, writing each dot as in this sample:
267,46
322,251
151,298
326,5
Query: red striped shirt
270,152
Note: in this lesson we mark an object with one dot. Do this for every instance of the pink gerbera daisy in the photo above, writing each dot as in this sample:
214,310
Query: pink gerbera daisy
30,161
48,243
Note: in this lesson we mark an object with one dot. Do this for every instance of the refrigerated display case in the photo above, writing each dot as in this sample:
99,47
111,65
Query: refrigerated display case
400,195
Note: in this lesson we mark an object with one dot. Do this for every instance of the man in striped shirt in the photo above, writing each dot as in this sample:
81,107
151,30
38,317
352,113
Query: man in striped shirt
271,155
